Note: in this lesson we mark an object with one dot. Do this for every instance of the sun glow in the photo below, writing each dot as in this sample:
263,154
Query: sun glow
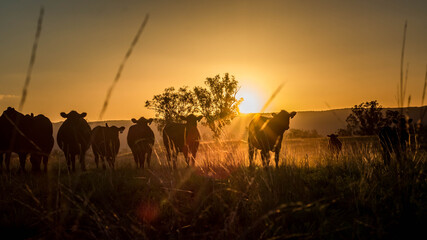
252,101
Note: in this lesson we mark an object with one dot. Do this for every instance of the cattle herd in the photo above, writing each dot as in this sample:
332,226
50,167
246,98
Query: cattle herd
29,135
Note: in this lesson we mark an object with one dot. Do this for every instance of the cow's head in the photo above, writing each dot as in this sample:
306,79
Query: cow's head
332,136
142,121
116,130
191,119
12,114
73,115
283,118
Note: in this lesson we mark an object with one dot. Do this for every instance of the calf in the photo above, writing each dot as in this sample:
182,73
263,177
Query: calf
106,144
394,139
334,144
73,138
141,140
266,134
179,137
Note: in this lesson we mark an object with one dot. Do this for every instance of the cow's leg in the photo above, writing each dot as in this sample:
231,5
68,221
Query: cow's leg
35,160
277,156
185,151
149,151
7,161
103,162
82,161
45,161
194,149
96,158
174,159
251,153
265,155
22,158
142,159
73,162
113,161
1,162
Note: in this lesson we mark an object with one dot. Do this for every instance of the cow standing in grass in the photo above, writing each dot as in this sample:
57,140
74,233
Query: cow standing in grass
141,140
41,133
182,137
106,144
334,144
25,135
394,139
73,138
266,134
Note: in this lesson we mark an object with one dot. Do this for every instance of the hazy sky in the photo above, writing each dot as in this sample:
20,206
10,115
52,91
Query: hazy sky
336,52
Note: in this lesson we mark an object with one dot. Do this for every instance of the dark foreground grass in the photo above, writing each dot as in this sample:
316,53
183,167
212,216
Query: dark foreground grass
350,197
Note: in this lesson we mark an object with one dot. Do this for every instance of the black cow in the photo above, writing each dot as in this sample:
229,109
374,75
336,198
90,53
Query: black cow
13,137
25,135
141,140
394,139
41,133
106,144
74,137
266,134
334,144
179,137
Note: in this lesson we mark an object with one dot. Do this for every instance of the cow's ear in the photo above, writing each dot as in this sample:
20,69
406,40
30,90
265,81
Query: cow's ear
121,129
64,115
106,124
183,118
410,120
292,114
329,135
83,114
149,121
199,118
273,114
134,120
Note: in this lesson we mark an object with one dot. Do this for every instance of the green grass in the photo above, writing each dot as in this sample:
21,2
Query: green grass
313,195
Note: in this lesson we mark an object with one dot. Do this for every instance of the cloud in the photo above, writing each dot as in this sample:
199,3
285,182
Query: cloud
6,96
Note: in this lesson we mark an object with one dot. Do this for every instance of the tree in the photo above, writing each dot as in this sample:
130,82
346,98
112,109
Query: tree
218,102
171,104
367,119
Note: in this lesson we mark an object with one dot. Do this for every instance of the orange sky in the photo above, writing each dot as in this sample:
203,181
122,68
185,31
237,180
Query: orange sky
335,52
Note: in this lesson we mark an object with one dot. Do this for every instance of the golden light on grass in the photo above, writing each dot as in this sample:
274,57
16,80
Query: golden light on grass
252,100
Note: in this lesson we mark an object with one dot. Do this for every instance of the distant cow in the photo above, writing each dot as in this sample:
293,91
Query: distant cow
394,139
74,138
106,144
25,135
266,134
179,137
334,144
141,140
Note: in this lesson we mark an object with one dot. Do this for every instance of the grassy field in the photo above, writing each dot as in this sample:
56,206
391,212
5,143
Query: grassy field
311,195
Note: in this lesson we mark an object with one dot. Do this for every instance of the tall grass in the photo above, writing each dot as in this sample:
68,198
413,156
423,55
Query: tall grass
311,195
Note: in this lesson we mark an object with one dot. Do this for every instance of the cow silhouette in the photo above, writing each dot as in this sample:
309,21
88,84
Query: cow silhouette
41,133
25,135
73,138
182,137
266,134
106,144
394,139
141,140
334,144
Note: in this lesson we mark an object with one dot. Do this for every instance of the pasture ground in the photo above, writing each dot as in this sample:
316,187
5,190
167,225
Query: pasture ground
311,195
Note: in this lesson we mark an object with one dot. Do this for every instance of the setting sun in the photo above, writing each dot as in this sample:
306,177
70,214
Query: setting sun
252,101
